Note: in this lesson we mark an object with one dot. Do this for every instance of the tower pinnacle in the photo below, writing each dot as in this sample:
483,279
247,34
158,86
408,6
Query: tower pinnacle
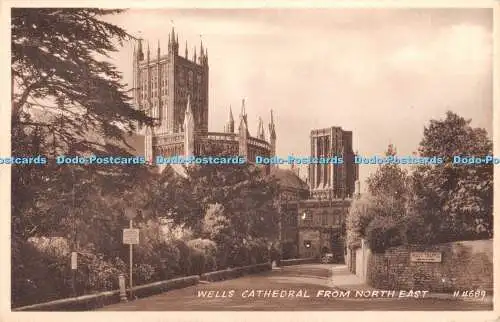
272,135
139,53
188,129
243,113
230,124
260,130
173,34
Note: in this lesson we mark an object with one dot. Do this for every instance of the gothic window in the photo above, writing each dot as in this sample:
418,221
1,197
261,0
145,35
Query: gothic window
307,217
324,219
181,77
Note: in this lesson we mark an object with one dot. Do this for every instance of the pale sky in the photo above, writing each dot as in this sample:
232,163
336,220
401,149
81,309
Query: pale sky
381,73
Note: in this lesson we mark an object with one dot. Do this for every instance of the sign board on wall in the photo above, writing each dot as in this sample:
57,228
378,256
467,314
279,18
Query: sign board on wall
426,257
131,236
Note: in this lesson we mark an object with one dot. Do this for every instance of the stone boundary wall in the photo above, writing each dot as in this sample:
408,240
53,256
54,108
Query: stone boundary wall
298,261
465,265
93,301
235,272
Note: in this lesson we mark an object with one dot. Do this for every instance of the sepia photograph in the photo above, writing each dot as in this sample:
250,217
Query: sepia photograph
251,159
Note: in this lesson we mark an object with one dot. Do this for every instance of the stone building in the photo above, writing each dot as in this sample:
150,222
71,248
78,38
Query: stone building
321,219
292,189
321,226
173,89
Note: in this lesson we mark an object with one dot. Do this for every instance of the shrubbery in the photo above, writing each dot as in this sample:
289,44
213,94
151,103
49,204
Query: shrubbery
37,276
382,233
42,273
289,250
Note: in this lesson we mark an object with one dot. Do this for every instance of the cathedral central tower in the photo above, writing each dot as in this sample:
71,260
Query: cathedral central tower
173,89
164,81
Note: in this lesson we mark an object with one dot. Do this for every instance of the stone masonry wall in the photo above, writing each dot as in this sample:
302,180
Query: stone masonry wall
465,265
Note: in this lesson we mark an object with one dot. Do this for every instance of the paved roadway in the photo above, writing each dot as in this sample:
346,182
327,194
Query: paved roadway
311,284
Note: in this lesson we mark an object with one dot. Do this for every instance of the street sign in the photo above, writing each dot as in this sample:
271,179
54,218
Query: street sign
74,262
426,257
130,213
131,236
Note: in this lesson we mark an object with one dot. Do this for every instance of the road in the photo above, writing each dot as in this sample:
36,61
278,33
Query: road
302,287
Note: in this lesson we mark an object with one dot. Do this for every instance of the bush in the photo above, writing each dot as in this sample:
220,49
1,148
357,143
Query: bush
185,255
155,261
239,256
361,213
203,255
382,233
37,276
416,232
198,260
289,250
95,274
207,246
258,252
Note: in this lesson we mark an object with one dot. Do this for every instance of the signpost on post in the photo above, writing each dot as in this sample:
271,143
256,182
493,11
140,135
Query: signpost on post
131,237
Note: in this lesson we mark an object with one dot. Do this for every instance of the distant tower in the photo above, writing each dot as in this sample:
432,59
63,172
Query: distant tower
335,180
230,123
243,132
188,130
272,135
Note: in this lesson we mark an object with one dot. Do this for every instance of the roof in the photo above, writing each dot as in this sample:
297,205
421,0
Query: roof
288,179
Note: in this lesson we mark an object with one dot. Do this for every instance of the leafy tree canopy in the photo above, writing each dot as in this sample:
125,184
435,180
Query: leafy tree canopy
454,199
66,99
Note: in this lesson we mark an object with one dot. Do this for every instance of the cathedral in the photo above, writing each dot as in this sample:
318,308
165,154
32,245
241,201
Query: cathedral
173,89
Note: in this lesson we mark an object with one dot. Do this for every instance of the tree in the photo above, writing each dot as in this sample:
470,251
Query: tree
245,192
216,223
55,68
359,217
389,187
236,206
66,99
378,216
455,201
